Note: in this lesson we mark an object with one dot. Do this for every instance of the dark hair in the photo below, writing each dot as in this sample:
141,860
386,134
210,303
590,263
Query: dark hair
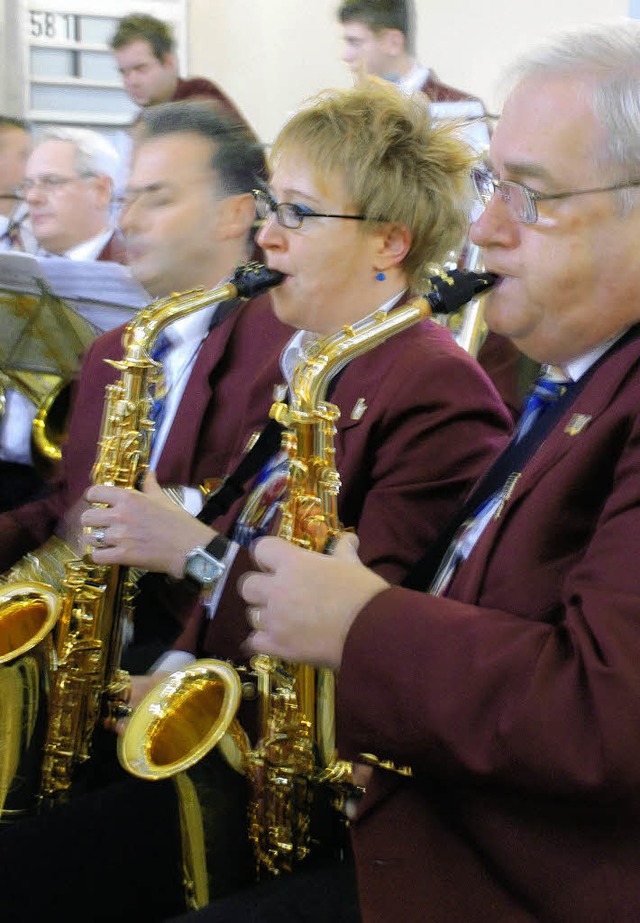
140,27
8,121
238,159
381,14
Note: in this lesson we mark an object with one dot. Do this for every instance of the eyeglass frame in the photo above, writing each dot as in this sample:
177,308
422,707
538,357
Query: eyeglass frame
271,207
530,196
51,182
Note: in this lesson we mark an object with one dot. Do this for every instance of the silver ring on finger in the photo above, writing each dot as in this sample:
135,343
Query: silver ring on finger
99,538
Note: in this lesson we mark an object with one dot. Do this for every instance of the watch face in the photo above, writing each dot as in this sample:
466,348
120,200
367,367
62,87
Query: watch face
203,567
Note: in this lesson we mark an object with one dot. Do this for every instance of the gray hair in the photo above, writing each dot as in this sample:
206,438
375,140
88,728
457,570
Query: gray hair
607,57
93,153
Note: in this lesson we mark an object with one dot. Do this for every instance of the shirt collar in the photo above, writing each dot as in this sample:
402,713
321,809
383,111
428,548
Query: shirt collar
90,249
414,80
194,326
576,368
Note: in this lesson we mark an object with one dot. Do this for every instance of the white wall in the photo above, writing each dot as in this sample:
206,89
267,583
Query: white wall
269,55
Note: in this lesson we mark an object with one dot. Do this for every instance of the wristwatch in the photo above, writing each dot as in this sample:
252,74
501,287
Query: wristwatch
203,567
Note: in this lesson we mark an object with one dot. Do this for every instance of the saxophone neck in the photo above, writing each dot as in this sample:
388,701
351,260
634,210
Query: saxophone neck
147,325
248,281
328,356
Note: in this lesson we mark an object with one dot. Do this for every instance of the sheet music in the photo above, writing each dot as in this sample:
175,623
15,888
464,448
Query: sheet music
105,294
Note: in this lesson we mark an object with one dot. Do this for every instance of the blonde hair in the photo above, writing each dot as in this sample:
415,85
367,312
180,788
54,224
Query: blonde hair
396,164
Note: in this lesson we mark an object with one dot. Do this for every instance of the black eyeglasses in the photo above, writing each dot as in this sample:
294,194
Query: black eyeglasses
289,215
520,200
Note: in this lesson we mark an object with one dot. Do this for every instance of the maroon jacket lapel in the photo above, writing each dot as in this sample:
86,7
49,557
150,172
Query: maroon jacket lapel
569,438
114,250
177,459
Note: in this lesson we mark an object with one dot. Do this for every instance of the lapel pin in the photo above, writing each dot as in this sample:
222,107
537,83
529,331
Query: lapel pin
358,409
577,423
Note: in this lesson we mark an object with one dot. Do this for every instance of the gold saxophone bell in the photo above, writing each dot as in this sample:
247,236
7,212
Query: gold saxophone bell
181,719
28,613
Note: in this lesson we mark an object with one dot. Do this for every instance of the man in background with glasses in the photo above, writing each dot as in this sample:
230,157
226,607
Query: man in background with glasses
68,187
508,679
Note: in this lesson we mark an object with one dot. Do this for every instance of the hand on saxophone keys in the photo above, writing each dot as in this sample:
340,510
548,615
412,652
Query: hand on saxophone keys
144,529
302,604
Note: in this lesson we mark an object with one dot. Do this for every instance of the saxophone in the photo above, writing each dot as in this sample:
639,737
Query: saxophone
296,752
95,602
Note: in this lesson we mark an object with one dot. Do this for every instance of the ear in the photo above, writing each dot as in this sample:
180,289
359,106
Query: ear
103,186
392,242
236,214
392,42
169,61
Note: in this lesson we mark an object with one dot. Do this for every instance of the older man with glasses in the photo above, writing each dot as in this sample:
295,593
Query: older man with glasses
68,187
505,673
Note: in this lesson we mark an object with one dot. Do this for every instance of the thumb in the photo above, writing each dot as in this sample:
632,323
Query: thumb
150,484
347,547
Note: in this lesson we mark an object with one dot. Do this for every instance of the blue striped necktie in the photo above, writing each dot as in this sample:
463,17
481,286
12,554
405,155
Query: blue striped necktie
158,353
550,386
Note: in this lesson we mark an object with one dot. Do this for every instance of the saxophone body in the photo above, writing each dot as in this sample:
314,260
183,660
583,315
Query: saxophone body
70,634
296,752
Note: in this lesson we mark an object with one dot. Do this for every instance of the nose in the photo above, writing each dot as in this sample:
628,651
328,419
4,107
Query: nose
270,236
127,217
33,193
349,55
495,226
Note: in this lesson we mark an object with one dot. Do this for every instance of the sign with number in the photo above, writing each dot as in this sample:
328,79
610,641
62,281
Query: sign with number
54,27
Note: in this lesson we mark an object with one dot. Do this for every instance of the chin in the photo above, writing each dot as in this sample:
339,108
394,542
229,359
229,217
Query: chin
283,309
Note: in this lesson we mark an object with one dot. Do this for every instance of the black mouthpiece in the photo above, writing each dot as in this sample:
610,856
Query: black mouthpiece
254,279
457,288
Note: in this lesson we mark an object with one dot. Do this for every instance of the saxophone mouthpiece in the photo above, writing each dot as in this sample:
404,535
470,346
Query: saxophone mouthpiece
456,288
254,279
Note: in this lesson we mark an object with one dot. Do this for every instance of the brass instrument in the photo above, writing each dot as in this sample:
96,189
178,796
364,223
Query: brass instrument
467,325
45,341
49,394
175,724
95,601
28,613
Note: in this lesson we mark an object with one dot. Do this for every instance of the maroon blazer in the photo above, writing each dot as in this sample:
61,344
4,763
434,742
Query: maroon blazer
226,399
442,93
114,251
516,699
199,88
433,421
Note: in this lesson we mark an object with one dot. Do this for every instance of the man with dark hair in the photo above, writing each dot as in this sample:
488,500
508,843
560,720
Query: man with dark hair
379,37
144,48
187,219
15,145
